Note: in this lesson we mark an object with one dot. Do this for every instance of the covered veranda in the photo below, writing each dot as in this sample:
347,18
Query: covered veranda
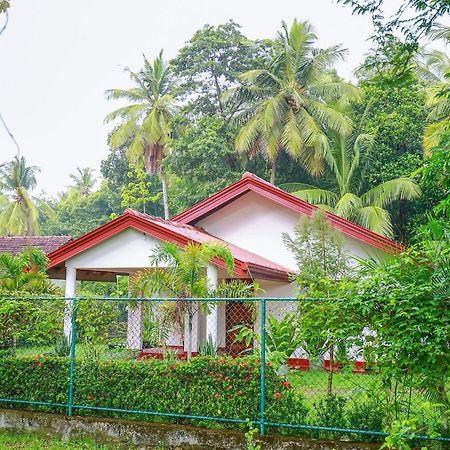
123,247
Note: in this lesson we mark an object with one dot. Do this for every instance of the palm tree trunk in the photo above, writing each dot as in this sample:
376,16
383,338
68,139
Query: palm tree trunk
273,170
165,194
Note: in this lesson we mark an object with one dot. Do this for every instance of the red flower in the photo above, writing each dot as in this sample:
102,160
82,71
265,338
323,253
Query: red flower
226,378
40,364
286,383
217,396
246,378
277,395
230,396
230,386
240,392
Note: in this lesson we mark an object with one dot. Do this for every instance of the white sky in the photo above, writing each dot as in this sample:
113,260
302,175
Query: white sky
57,57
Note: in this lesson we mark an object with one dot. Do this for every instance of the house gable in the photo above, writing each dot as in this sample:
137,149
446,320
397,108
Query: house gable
252,183
256,223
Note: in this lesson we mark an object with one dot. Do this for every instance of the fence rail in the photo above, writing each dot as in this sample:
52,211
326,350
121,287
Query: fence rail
201,360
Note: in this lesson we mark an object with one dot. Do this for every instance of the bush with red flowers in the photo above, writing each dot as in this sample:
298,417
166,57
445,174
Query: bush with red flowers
205,386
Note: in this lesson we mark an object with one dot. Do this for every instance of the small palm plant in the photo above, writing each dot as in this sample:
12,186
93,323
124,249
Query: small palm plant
181,273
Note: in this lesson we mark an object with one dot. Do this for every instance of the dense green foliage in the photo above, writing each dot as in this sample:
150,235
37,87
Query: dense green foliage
202,161
216,387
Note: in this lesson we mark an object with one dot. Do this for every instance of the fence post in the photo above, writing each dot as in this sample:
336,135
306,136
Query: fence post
73,337
262,406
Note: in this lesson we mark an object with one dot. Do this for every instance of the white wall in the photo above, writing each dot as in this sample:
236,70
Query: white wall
256,224
130,249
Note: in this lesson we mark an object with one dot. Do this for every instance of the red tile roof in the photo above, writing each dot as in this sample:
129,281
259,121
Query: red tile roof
251,183
247,264
15,244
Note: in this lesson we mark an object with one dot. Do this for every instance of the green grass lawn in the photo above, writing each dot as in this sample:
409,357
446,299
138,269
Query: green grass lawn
82,351
34,441
314,382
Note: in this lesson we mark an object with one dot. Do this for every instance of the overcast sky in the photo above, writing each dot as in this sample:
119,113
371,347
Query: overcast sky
57,57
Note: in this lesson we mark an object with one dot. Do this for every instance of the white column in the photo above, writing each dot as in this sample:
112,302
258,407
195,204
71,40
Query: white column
71,288
213,313
135,325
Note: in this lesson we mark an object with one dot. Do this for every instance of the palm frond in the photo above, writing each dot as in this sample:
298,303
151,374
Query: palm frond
293,187
347,205
375,219
292,138
127,112
329,117
317,196
248,134
390,191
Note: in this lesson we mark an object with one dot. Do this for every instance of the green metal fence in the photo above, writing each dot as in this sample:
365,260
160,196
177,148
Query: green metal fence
201,361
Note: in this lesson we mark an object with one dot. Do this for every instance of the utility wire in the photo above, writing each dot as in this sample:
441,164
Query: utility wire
1,117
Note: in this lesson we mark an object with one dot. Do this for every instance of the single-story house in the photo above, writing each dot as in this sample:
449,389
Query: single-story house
249,217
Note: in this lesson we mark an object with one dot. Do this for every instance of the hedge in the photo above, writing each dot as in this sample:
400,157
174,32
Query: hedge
205,386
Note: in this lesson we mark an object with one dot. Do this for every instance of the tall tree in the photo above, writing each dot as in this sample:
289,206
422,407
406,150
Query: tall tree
84,180
397,116
412,19
203,160
145,122
286,107
209,66
19,211
348,156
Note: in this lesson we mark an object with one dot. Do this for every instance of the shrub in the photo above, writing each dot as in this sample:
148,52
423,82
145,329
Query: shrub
205,386
331,411
368,414
25,322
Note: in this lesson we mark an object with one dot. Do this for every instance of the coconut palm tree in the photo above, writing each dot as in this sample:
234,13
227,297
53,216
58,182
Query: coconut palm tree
84,180
20,212
145,121
348,157
287,108
182,274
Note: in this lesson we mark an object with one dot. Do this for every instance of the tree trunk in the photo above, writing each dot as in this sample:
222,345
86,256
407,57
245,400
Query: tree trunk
330,373
165,194
273,170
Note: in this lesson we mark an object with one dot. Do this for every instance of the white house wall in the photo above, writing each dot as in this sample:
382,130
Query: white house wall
129,249
256,223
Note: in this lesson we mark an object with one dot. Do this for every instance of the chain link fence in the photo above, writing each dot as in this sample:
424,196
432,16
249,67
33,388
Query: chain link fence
207,362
